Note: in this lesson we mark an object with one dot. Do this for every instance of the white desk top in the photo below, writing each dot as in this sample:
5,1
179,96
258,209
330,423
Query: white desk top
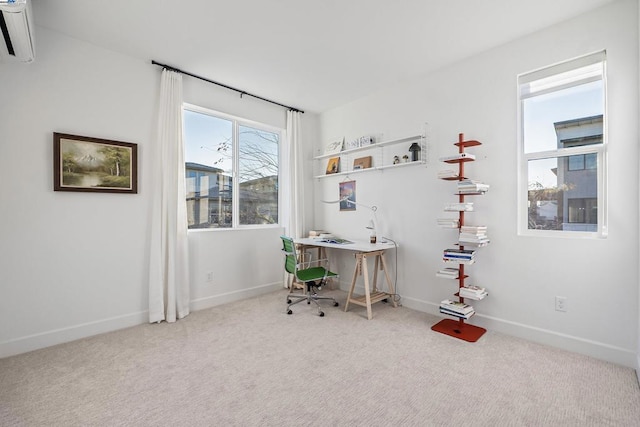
357,245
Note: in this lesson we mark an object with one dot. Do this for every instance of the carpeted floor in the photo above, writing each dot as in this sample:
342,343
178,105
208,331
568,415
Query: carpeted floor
249,364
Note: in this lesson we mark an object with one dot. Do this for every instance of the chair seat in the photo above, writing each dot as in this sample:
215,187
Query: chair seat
314,273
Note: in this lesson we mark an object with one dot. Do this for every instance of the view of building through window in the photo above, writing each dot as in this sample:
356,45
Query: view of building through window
562,122
231,171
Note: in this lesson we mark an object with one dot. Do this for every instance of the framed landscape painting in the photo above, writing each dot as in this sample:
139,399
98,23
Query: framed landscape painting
82,163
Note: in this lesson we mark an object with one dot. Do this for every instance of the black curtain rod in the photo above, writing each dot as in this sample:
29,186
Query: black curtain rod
241,92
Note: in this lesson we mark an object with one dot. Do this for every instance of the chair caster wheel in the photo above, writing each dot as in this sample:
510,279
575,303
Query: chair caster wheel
335,304
288,301
308,302
289,312
321,314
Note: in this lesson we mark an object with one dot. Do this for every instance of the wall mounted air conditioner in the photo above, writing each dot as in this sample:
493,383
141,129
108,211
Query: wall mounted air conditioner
17,31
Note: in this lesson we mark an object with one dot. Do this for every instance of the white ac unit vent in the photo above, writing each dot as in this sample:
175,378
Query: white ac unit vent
17,31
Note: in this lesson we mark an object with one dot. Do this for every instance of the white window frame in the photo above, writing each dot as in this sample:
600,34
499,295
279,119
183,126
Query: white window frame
599,149
235,200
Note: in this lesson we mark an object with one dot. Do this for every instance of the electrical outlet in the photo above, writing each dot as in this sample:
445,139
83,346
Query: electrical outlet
210,277
561,303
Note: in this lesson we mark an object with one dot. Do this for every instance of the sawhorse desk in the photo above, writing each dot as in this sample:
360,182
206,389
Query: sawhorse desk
362,251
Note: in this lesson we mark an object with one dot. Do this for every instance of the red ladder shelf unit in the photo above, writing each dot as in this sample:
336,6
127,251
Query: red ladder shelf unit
458,328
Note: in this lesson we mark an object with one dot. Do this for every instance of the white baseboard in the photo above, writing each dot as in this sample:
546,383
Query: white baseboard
71,333
76,332
214,300
598,350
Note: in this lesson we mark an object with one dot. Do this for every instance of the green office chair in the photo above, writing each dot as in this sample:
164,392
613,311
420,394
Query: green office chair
312,277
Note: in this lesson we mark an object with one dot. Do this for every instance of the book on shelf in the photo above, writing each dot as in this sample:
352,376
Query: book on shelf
473,297
448,273
477,244
473,235
474,229
478,241
460,257
456,314
449,222
457,156
470,186
459,261
472,292
456,306
447,173
467,253
456,207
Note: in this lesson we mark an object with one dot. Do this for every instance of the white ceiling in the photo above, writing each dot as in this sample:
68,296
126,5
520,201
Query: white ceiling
313,55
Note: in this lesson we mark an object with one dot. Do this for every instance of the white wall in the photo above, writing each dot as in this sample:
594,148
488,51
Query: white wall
75,264
523,274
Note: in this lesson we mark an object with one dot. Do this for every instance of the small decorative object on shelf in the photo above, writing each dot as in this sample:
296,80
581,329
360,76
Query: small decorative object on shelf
415,151
459,257
405,159
396,160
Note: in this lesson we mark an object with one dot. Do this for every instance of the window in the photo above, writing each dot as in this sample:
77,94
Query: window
562,149
232,170
583,161
583,211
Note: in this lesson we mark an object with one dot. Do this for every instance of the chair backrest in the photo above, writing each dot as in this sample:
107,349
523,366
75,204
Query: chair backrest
290,260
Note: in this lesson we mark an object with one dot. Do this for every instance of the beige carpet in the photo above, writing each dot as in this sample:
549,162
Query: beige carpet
249,364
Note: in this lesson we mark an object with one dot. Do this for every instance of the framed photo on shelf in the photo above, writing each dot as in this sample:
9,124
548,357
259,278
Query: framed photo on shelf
350,145
366,140
362,163
82,163
333,165
348,196
334,147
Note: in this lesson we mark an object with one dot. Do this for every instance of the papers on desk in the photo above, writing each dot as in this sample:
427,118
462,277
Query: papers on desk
335,241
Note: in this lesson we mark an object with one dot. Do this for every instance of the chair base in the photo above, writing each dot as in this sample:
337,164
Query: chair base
310,296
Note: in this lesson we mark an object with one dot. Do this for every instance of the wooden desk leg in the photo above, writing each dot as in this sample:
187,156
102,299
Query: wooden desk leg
375,274
392,290
367,292
356,270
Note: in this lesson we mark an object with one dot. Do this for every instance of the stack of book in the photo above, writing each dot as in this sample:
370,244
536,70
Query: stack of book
449,222
469,186
447,173
459,207
448,273
456,157
475,235
472,292
456,308
459,256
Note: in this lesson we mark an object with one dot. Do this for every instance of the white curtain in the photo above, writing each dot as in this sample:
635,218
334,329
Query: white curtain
168,264
293,212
